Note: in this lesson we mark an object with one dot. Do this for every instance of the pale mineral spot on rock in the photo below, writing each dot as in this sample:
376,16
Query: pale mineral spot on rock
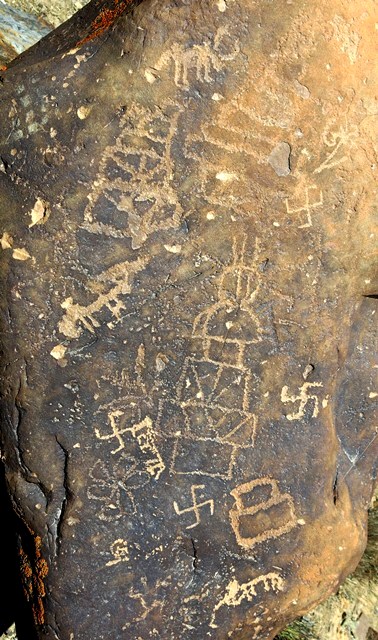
279,159
58,352
6,241
21,254
83,112
40,212
226,176
151,75
173,248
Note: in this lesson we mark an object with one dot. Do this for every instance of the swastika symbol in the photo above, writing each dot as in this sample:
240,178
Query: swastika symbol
196,506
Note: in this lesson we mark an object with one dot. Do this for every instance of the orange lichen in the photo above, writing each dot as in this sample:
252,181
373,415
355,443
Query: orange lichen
105,19
34,570
3,67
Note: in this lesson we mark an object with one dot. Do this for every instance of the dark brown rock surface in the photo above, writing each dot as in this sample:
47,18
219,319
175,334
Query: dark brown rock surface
187,303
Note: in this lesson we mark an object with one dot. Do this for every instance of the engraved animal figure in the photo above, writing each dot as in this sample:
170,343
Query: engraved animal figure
115,283
202,59
337,140
134,193
120,552
196,506
254,499
113,489
303,398
236,592
308,205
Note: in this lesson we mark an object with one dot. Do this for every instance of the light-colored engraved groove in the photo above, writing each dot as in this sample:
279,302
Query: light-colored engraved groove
201,60
308,205
143,194
303,397
247,492
120,552
144,434
196,506
236,593
236,130
78,316
213,395
337,141
113,490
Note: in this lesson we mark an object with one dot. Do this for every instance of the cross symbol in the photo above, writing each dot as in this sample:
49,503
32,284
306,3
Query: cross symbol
196,506
307,206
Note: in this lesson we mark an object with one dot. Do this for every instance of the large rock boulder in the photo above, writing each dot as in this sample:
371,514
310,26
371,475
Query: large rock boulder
187,311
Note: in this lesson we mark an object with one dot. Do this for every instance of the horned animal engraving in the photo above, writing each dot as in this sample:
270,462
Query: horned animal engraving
236,593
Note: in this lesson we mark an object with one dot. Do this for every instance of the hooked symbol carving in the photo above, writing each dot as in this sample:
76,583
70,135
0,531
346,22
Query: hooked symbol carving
196,506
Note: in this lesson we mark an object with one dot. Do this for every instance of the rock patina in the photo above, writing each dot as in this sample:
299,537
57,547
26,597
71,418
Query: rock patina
187,310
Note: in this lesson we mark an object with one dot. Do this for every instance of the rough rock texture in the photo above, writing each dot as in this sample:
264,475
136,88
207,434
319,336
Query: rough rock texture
54,12
188,314
18,31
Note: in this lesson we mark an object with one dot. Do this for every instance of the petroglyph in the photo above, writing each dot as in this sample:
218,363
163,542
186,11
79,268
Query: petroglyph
112,489
120,278
228,326
211,412
254,499
196,506
120,552
241,137
145,436
337,140
201,60
239,129
236,593
146,599
133,193
308,206
303,398
235,131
